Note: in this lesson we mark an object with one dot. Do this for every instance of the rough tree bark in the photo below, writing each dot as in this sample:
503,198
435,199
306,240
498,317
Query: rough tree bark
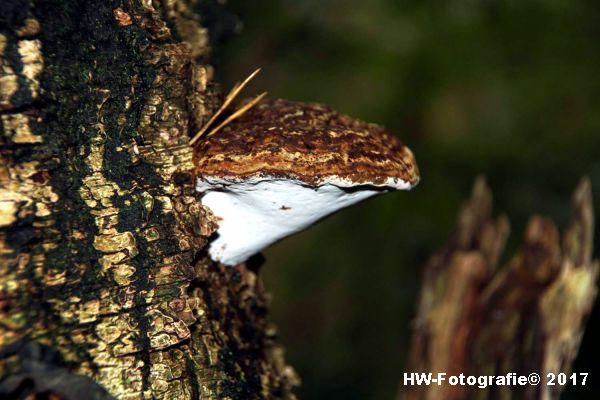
527,316
102,268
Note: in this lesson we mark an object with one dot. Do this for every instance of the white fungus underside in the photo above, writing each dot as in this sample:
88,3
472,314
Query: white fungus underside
256,213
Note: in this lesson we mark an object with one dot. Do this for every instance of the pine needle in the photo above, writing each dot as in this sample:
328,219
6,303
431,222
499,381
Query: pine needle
238,113
237,88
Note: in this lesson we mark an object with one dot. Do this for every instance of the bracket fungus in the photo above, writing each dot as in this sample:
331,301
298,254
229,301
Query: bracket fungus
283,165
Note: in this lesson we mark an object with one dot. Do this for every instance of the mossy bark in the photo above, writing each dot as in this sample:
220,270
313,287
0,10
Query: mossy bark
101,233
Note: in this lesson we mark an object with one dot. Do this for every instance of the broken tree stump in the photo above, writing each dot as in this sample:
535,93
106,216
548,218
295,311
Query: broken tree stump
526,316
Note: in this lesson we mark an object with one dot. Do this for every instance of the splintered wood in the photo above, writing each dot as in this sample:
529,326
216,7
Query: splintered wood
527,316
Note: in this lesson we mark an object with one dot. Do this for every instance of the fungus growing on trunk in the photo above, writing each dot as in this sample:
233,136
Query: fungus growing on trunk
283,166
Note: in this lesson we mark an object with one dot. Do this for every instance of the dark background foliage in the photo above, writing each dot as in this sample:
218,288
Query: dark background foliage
510,89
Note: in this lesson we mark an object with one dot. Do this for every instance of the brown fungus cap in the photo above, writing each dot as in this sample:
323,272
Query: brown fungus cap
306,142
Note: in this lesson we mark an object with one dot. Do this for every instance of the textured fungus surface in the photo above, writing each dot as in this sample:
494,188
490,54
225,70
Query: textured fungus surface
285,165
308,142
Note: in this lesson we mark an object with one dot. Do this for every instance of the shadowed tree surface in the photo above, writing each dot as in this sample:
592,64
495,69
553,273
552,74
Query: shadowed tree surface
100,230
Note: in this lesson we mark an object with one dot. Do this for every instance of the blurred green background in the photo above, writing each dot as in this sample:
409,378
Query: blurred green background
506,88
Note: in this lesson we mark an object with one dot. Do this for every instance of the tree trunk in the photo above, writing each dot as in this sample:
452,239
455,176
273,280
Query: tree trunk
103,272
526,317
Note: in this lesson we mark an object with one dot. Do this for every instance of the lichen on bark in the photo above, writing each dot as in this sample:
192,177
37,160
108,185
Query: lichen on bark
101,233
